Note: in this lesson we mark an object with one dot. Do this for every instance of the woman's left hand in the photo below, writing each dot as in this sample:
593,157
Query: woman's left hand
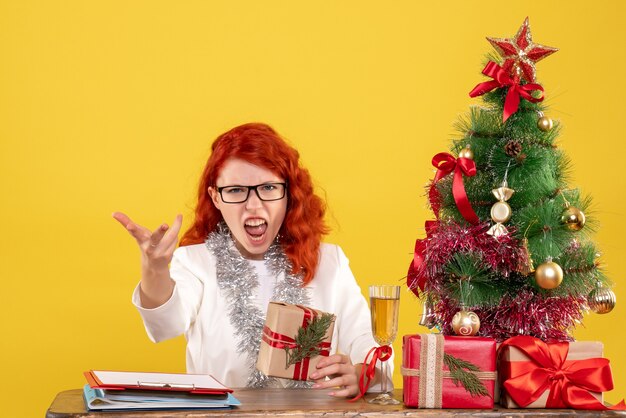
342,374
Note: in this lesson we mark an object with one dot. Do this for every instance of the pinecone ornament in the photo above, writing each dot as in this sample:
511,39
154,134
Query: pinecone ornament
513,148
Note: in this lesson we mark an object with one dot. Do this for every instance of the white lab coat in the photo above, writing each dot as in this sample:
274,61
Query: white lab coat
198,309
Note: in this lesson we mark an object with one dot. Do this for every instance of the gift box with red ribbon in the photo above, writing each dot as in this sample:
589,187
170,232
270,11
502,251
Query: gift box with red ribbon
448,372
535,374
282,353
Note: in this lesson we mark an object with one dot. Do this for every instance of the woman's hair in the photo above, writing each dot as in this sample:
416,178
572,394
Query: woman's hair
258,144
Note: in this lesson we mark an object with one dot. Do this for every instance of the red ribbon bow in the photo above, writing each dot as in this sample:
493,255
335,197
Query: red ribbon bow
516,90
415,278
445,163
569,381
369,368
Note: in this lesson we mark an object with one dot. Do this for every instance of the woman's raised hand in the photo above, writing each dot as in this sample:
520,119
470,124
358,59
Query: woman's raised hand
157,248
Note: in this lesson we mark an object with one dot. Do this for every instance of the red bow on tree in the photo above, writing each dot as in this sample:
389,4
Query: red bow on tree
569,381
445,164
416,278
516,90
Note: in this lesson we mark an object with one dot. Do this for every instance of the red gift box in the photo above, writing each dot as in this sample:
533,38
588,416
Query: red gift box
427,380
535,374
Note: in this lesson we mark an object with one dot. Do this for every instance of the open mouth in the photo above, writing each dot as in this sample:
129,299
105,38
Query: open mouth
255,228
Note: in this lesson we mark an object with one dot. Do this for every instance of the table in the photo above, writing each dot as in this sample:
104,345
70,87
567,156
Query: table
305,403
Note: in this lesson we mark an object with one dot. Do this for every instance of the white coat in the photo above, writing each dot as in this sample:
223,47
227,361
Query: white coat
198,309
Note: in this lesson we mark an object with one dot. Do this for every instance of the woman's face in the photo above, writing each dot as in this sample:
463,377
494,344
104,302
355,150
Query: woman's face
254,223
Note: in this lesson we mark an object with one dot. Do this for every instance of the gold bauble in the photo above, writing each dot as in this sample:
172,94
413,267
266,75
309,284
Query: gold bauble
544,123
548,275
573,218
466,153
465,323
601,300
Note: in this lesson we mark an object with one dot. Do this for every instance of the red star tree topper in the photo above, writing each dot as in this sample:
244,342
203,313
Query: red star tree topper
520,53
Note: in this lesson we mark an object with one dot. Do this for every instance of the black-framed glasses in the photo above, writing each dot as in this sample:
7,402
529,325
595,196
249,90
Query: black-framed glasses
266,192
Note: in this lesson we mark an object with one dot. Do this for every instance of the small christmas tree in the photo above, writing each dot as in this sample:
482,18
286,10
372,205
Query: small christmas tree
509,252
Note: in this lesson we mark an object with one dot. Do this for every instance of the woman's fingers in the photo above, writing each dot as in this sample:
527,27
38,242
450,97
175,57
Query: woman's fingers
138,232
122,218
125,221
346,385
344,388
330,370
163,237
172,245
341,373
172,233
157,235
332,359
166,237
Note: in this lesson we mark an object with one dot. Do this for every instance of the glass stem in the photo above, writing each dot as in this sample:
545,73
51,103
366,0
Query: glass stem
383,377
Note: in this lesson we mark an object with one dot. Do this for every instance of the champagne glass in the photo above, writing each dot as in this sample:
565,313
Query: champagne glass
384,308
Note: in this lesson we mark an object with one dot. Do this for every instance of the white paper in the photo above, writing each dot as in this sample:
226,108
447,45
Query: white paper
164,380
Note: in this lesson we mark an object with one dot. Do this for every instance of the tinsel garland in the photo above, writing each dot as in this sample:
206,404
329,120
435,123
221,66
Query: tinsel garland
502,255
237,279
526,313
521,312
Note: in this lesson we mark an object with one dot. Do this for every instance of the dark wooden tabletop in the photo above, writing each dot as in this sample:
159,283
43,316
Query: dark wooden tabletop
304,403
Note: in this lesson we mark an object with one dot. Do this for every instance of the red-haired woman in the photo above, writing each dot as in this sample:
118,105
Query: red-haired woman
256,237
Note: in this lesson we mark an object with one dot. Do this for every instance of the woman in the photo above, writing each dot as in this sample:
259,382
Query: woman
256,237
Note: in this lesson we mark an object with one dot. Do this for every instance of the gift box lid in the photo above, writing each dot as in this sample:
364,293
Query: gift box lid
288,319
578,350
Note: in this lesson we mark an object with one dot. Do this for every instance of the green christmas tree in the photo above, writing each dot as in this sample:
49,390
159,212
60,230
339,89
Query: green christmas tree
510,250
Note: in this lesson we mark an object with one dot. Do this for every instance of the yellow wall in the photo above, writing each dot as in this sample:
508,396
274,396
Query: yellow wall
112,105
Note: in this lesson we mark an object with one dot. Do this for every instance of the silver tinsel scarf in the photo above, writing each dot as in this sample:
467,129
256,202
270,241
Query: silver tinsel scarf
237,279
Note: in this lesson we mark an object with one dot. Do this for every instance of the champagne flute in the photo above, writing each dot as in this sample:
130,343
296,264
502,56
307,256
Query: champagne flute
384,308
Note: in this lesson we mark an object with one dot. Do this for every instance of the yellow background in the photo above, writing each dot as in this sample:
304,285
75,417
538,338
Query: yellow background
112,105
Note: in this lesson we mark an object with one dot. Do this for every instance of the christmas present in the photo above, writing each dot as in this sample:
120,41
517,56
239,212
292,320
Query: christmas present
535,374
448,372
294,338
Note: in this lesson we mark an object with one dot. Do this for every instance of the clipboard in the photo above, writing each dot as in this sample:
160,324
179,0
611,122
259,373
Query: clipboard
122,380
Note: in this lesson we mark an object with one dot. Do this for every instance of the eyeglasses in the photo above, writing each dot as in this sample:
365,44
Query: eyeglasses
266,192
